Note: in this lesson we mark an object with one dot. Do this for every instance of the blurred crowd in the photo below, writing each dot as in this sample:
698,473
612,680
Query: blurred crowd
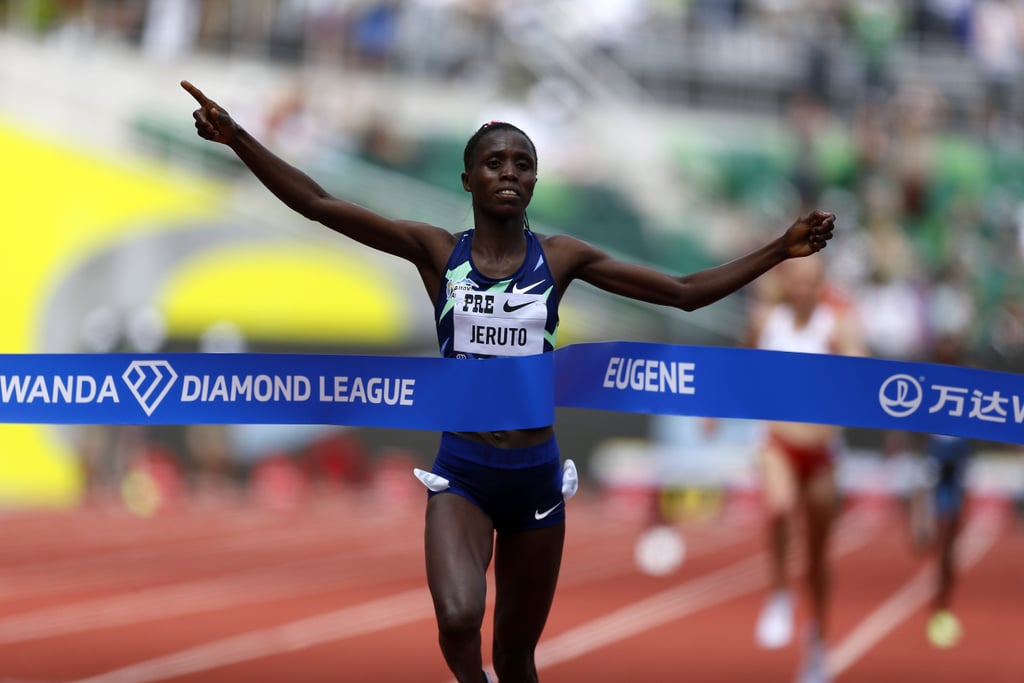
481,37
936,234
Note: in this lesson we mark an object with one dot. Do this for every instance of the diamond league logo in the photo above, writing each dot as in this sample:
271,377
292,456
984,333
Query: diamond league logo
900,395
149,381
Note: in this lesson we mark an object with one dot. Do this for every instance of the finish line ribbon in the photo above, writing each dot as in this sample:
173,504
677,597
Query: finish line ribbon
507,393
796,387
254,388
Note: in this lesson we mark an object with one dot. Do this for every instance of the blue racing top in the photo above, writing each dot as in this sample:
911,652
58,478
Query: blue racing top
480,317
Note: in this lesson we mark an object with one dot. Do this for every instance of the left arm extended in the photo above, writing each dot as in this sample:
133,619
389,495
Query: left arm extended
807,235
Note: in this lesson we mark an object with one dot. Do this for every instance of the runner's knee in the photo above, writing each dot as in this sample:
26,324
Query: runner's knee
778,485
457,621
459,618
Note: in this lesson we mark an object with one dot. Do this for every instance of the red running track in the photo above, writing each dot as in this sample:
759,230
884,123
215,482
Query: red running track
333,590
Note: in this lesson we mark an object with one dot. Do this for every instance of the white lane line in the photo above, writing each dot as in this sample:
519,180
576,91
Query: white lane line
403,608
978,537
159,562
358,620
291,580
745,576
350,622
602,564
84,534
742,577
253,586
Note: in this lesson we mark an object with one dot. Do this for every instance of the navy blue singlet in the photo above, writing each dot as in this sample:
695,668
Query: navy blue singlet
480,317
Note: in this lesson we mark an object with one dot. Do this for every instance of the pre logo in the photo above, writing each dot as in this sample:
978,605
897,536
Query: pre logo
900,395
149,382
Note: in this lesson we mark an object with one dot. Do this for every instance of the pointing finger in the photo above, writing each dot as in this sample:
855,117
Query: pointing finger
196,93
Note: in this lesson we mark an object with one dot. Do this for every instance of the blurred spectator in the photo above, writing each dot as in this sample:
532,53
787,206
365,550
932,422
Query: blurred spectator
891,307
381,142
716,14
871,139
806,117
1007,333
289,123
893,252
918,111
171,28
373,31
286,37
996,43
950,305
892,311
212,461
938,22
337,460
876,27
325,33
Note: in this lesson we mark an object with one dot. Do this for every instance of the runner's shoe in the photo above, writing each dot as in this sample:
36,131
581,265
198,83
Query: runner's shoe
814,666
775,623
944,630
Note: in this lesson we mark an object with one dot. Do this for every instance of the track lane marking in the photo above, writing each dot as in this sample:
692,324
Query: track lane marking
742,577
389,612
262,585
102,570
357,620
410,606
978,538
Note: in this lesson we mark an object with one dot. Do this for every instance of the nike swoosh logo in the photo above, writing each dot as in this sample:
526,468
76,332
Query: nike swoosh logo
537,514
508,308
524,290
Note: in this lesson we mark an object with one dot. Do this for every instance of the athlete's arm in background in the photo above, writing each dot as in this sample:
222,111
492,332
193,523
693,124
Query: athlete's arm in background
757,319
806,236
426,246
849,340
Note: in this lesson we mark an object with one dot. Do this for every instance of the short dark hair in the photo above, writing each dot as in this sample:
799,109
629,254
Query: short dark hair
486,129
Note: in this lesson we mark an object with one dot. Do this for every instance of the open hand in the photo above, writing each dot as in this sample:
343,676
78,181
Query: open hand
212,122
809,234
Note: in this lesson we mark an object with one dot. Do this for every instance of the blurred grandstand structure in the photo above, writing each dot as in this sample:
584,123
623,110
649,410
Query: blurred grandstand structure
674,133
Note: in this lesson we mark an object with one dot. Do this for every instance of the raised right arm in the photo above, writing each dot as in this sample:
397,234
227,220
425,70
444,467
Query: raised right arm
426,246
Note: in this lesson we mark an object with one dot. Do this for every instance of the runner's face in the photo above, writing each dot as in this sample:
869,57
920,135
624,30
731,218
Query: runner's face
802,282
503,173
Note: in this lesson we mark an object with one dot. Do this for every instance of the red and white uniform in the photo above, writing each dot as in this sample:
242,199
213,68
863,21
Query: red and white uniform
808,448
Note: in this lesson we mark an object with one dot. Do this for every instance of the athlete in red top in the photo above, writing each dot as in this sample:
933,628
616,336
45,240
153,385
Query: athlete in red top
797,459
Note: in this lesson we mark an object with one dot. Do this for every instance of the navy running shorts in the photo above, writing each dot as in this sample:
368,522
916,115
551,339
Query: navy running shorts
518,488
949,457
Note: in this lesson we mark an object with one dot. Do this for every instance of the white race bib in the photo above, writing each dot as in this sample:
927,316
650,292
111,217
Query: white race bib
499,323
